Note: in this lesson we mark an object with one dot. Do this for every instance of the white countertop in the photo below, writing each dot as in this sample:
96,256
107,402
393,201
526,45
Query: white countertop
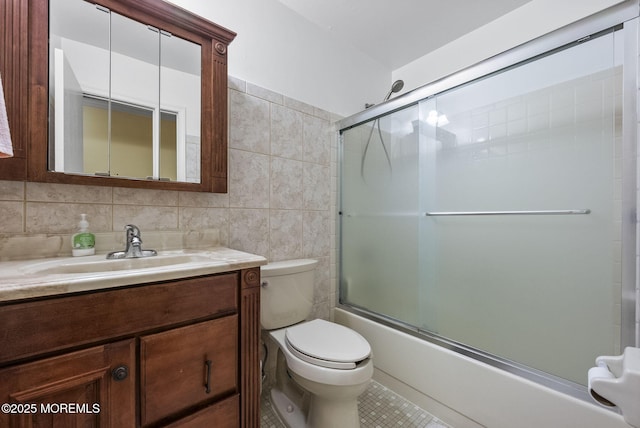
34,278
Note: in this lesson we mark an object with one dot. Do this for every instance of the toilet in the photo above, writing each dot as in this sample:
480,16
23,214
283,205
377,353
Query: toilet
321,367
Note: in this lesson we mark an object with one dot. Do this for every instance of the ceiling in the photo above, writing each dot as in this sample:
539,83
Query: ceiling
396,32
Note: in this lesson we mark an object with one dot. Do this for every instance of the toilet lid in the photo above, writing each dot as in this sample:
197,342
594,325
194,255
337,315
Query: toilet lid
327,344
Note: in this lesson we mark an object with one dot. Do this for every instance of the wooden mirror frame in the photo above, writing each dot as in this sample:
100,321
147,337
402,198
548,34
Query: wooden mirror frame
24,67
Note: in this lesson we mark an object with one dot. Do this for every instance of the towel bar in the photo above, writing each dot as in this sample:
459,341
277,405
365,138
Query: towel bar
543,212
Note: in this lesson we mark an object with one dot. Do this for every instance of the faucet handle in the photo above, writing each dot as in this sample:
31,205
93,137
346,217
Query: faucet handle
133,229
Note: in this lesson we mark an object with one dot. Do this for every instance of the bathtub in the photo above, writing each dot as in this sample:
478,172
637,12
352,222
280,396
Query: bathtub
467,393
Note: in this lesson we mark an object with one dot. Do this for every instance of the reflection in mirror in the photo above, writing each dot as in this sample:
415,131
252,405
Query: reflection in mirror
124,97
180,101
135,82
131,150
78,64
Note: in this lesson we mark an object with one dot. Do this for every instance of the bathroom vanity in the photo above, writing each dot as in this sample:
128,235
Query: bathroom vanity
160,351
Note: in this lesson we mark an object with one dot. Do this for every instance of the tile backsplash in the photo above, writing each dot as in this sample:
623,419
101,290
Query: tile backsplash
280,202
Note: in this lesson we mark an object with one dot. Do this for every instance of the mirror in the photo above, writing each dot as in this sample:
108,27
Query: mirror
124,96
70,76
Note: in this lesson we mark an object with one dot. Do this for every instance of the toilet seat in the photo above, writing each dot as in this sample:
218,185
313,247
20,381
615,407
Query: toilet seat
327,344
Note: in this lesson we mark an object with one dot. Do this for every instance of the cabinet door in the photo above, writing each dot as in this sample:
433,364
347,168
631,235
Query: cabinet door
187,366
77,389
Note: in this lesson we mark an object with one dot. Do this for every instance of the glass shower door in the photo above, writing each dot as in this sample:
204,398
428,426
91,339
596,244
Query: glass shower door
488,217
380,217
519,245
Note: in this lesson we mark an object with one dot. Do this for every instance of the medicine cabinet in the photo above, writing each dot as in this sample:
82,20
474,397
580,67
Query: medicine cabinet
115,92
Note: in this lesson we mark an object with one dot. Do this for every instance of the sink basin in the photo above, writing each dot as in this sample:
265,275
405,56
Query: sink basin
94,264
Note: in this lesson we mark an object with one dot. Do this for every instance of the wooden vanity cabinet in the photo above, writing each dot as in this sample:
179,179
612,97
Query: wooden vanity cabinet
177,353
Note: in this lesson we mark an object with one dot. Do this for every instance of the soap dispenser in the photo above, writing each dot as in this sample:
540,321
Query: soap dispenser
83,243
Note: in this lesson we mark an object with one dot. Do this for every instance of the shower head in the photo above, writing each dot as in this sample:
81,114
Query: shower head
396,87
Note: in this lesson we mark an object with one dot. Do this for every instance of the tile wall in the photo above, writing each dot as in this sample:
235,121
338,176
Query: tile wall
280,204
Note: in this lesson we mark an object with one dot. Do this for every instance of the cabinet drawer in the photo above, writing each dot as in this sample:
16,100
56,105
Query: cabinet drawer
187,366
224,414
82,319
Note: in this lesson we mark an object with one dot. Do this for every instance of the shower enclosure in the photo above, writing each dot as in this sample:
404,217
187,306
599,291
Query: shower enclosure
490,211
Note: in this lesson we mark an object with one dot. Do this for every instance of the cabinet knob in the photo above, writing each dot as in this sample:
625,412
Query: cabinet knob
120,373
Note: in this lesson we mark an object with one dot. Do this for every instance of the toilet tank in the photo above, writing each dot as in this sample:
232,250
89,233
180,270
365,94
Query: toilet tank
286,295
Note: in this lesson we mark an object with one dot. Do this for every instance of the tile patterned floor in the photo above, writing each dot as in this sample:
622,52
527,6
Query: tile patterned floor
379,407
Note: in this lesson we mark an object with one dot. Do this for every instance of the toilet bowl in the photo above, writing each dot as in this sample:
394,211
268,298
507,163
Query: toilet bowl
333,391
322,367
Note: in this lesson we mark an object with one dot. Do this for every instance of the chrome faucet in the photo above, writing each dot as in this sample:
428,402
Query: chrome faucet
133,248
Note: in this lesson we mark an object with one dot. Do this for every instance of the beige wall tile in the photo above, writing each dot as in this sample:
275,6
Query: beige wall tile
52,217
299,105
11,216
286,183
322,291
248,122
285,235
316,234
316,140
19,247
201,199
130,196
145,217
286,132
317,192
265,94
249,230
248,179
12,190
323,298
236,84
192,218
50,192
